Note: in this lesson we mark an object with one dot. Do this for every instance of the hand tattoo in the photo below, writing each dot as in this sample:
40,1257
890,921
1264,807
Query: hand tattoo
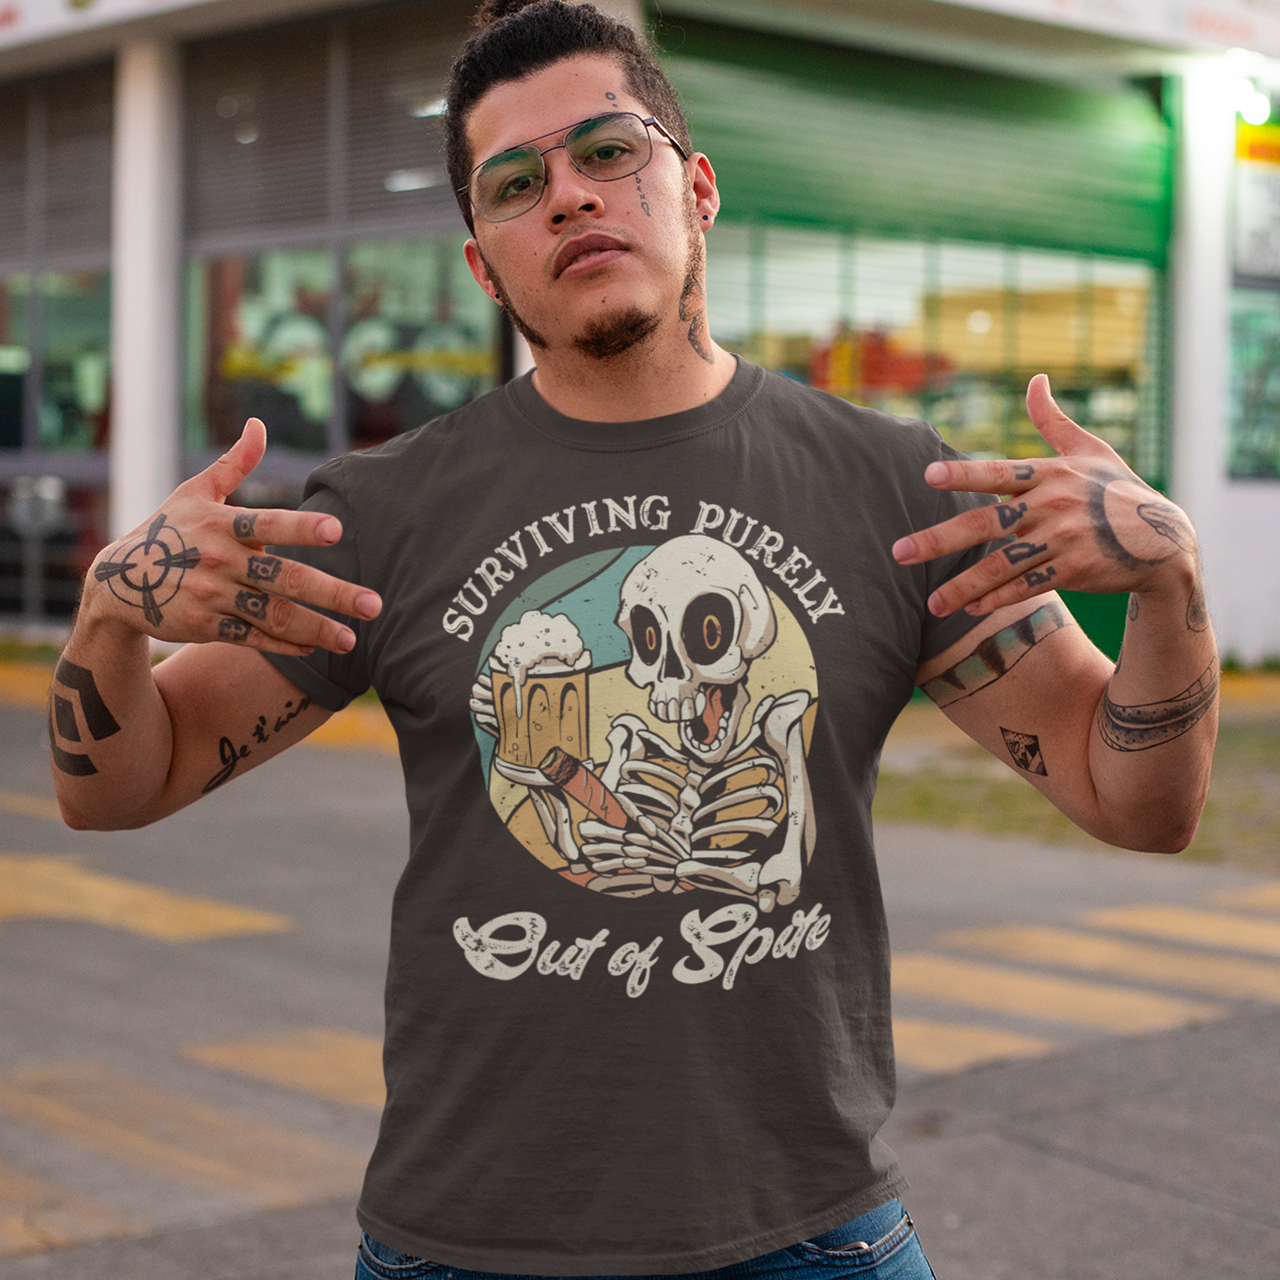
264,568
1169,522
1109,544
148,574
1010,513
996,656
233,629
254,603
1150,724
1038,577
242,526
1025,750
1016,552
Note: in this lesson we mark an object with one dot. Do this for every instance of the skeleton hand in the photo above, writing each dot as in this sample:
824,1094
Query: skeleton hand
482,704
617,851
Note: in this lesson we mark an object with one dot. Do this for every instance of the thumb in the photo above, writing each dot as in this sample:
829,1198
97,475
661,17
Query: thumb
225,476
1061,434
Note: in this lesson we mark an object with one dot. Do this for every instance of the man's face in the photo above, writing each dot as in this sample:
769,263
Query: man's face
594,266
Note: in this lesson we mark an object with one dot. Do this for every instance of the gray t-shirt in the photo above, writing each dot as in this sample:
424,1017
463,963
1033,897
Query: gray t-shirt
638,994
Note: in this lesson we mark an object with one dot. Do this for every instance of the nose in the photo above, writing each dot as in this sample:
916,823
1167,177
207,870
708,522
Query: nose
568,192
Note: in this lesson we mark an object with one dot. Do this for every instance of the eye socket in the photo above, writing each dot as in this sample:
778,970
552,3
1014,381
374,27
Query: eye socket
708,628
646,634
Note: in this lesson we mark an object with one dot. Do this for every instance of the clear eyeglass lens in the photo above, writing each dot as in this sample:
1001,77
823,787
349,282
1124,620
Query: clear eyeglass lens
509,183
610,146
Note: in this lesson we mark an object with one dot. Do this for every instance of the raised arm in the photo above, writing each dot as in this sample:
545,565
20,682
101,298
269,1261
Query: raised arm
132,743
1124,751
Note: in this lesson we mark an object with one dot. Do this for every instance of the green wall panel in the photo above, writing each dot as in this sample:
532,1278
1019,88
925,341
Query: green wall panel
813,134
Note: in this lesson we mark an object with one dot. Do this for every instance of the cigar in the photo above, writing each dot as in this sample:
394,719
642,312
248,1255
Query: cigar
576,780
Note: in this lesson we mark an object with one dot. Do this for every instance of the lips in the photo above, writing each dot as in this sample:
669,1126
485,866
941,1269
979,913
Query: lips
581,247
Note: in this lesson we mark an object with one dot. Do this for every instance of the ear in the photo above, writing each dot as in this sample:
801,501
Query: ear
471,251
702,177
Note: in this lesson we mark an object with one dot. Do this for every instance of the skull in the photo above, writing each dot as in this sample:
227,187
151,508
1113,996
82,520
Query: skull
696,615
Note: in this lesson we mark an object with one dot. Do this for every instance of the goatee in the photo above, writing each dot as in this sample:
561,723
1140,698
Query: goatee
612,336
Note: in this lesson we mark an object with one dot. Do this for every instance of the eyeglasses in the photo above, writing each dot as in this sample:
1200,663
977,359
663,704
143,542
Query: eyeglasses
603,148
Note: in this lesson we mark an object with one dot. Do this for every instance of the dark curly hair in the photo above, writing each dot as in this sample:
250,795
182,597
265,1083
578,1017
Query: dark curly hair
518,37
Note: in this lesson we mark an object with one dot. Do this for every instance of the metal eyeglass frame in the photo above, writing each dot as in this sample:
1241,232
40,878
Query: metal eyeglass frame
542,152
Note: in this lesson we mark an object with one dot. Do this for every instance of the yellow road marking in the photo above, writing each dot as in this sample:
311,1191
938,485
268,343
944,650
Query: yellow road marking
36,1215
1262,897
25,684
175,1138
1216,975
29,806
338,1065
952,1046
1187,924
358,727
47,888
1038,996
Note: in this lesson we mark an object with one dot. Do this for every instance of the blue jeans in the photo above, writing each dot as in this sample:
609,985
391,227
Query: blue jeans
880,1245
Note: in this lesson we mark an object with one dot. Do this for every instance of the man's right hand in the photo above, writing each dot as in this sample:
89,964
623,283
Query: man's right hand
197,571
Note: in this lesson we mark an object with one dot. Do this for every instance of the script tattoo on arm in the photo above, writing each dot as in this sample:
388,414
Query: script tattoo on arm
63,723
1150,724
147,574
242,526
996,656
231,755
1025,750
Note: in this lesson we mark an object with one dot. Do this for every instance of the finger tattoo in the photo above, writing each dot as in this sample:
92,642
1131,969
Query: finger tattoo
1017,552
1010,513
1023,471
243,525
1038,577
265,568
234,629
254,603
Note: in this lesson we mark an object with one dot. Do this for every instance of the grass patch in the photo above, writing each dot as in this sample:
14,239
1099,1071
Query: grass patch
1241,822
20,651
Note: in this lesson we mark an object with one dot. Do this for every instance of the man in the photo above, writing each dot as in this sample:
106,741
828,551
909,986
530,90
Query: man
642,622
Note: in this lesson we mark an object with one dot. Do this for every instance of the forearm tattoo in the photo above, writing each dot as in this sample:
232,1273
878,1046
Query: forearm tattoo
147,574
230,754
996,656
1025,750
1150,724
64,725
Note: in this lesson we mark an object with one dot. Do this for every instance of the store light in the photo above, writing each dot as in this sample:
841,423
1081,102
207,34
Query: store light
421,110
413,179
1253,106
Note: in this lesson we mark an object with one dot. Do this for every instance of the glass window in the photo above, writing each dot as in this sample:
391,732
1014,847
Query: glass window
947,332
420,338
76,347
258,346
15,356
1254,412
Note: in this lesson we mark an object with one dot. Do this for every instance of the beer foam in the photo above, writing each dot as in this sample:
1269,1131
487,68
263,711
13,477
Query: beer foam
540,644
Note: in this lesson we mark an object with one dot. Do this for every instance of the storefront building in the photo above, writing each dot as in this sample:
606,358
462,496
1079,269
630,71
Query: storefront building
210,210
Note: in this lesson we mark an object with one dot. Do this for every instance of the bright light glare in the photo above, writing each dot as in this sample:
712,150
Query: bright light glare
1256,109
424,109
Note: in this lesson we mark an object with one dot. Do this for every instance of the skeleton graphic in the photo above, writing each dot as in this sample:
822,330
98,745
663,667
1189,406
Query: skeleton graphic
721,808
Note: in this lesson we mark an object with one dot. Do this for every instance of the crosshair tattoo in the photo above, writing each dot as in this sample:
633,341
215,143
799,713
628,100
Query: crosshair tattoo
996,656
234,629
1038,577
1023,471
1025,750
265,568
1017,552
243,525
149,573
254,603
1150,724
1010,513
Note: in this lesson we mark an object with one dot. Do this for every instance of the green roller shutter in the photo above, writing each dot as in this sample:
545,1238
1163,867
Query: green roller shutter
815,134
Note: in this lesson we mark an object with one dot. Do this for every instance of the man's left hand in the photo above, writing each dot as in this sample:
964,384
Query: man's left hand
1081,521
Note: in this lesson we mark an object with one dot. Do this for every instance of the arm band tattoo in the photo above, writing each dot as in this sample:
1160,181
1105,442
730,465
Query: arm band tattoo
996,656
1149,724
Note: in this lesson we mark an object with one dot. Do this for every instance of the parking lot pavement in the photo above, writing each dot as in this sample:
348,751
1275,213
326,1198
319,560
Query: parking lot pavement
1087,1040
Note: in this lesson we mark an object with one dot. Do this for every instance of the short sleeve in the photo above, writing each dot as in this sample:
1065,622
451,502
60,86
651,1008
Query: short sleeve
938,634
330,679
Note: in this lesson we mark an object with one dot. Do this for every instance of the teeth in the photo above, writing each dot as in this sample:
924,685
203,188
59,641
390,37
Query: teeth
700,703
673,709
686,709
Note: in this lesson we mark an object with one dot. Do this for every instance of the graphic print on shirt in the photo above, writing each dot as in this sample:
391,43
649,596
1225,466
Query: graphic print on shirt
644,717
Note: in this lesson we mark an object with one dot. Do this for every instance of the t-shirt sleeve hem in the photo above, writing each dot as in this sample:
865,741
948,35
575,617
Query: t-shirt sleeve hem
947,632
324,692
